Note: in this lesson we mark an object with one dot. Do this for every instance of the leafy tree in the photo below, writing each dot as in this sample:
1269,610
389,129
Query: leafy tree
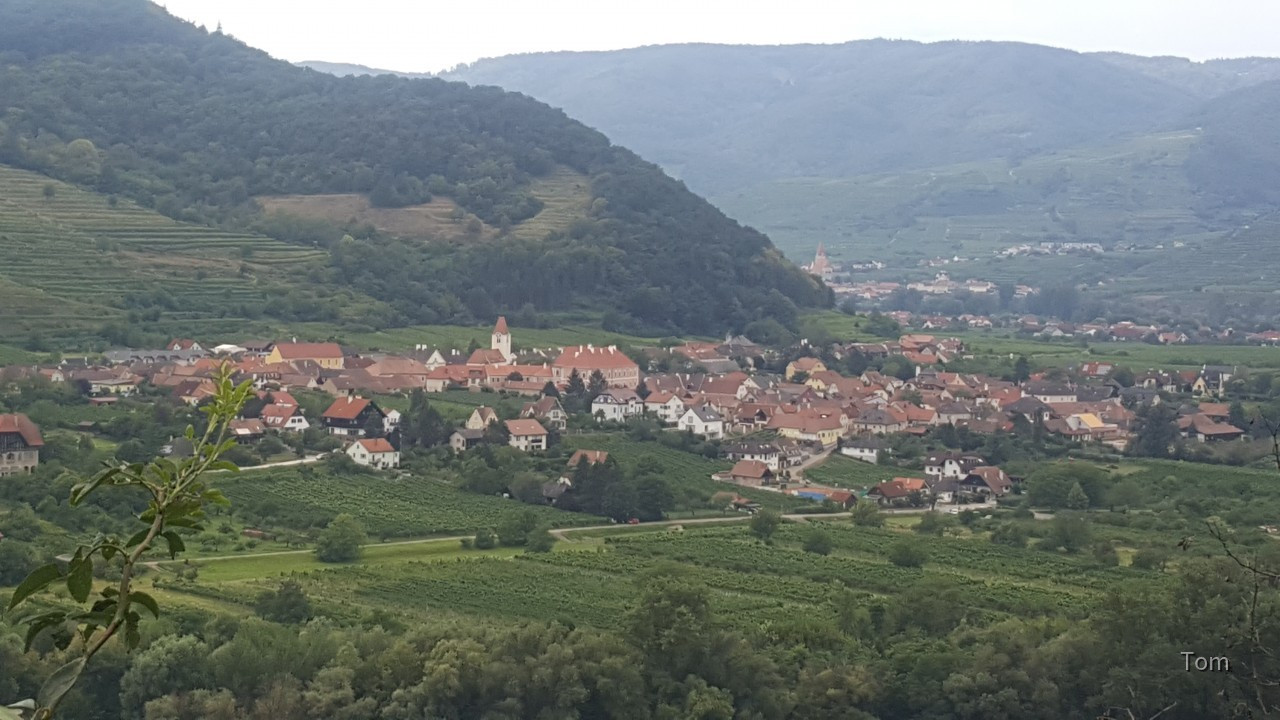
882,326
867,514
540,540
341,541
1021,369
1011,534
289,604
485,539
1155,430
1069,531
515,527
1127,493
905,553
178,492
765,523
1151,558
818,541
1076,498
934,523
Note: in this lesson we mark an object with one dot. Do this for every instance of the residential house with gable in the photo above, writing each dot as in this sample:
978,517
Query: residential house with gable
616,405
20,443
351,415
376,453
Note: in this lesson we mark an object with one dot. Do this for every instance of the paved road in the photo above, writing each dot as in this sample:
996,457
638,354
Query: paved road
283,463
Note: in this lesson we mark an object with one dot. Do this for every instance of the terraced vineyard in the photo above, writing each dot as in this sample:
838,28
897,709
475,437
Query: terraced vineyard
71,257
386,506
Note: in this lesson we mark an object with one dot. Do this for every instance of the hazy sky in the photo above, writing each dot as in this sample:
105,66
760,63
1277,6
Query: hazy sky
432,35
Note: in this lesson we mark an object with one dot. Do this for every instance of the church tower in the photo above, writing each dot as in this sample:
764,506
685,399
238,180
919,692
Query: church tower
500,340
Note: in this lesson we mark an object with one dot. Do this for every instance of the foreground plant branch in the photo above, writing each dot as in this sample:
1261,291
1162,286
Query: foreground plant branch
178,497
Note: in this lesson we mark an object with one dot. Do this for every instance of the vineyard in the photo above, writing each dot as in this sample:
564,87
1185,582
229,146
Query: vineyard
71,258
843,471
303,498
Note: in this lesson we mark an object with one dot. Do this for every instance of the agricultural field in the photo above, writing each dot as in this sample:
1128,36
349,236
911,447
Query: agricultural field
688,474
72,257
843,471
10,355
305,497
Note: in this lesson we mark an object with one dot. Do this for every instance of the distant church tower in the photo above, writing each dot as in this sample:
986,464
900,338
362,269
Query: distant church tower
500,340
821,265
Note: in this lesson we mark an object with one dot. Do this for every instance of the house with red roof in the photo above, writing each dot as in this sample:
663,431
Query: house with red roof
526,434
751,473
618,369
376,453
20,444
350,415
284,418
898,491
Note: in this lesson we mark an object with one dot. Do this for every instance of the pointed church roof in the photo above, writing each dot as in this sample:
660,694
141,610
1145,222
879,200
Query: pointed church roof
501,327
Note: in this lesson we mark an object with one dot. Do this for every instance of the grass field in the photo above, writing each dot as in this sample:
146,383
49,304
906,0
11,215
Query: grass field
10,355
688,474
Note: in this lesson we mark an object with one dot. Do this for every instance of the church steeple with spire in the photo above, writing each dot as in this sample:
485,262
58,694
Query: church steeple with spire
821,265
500,340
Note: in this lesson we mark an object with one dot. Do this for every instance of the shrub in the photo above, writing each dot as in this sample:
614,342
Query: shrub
905,553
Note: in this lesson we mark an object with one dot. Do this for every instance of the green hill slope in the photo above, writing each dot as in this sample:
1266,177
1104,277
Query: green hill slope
78,261
119,96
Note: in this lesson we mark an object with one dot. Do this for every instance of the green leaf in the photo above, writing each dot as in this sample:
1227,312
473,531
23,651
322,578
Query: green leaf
60,683
175,543
224,465
80,579
39,623
81,491
145,601
39,579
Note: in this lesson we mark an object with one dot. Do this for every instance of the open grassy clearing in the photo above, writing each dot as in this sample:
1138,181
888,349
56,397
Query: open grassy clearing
843,471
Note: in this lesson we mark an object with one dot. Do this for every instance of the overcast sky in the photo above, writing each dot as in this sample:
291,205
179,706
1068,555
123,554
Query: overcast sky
433,35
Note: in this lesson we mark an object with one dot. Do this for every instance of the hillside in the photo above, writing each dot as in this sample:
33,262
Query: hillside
122,98
79,263
722,117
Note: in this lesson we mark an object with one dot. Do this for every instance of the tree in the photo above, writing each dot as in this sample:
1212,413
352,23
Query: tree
1156,430
934,523
1076,498
341,540
905,553
597,384
515,526
485,539
1011,534
642,389
550,389
540,540
178,492
867,514
289,604
764,523
1126,494
1021,369
818,541
1069,531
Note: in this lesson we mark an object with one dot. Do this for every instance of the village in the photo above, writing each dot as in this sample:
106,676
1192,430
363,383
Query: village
773,413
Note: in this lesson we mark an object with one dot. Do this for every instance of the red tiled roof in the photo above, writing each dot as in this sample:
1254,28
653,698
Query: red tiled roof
525,427
592,457
376,445
22,425
304,351
346,408
750,469
591,357
501,327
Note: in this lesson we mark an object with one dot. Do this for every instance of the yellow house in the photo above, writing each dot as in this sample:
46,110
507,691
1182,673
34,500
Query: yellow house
326,355
806,365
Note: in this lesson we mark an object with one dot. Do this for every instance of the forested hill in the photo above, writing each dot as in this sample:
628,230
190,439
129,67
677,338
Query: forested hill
726,116
120,97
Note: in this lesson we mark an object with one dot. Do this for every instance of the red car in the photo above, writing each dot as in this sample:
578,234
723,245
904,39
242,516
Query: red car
633,521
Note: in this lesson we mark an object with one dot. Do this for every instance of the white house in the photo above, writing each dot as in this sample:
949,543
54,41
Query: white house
617,405
526,434
951,465
864,449
481,418
285,418
702,421
665,406
767,453
374,453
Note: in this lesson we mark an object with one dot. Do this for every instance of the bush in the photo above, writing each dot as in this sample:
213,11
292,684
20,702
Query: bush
1150,559
341,541
867,514
764,523
287,605
905,553
540,540
485,539
934,523
1011,534
818,542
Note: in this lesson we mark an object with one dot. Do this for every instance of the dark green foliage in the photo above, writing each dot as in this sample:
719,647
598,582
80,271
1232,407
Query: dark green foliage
765,523
516,526
867,514
1155,430
484,540
906,553
341,540
288,604
818,541
540,540
1054,486
196,125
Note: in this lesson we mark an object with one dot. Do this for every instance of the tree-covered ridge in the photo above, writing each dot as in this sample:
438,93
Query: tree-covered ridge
121,97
